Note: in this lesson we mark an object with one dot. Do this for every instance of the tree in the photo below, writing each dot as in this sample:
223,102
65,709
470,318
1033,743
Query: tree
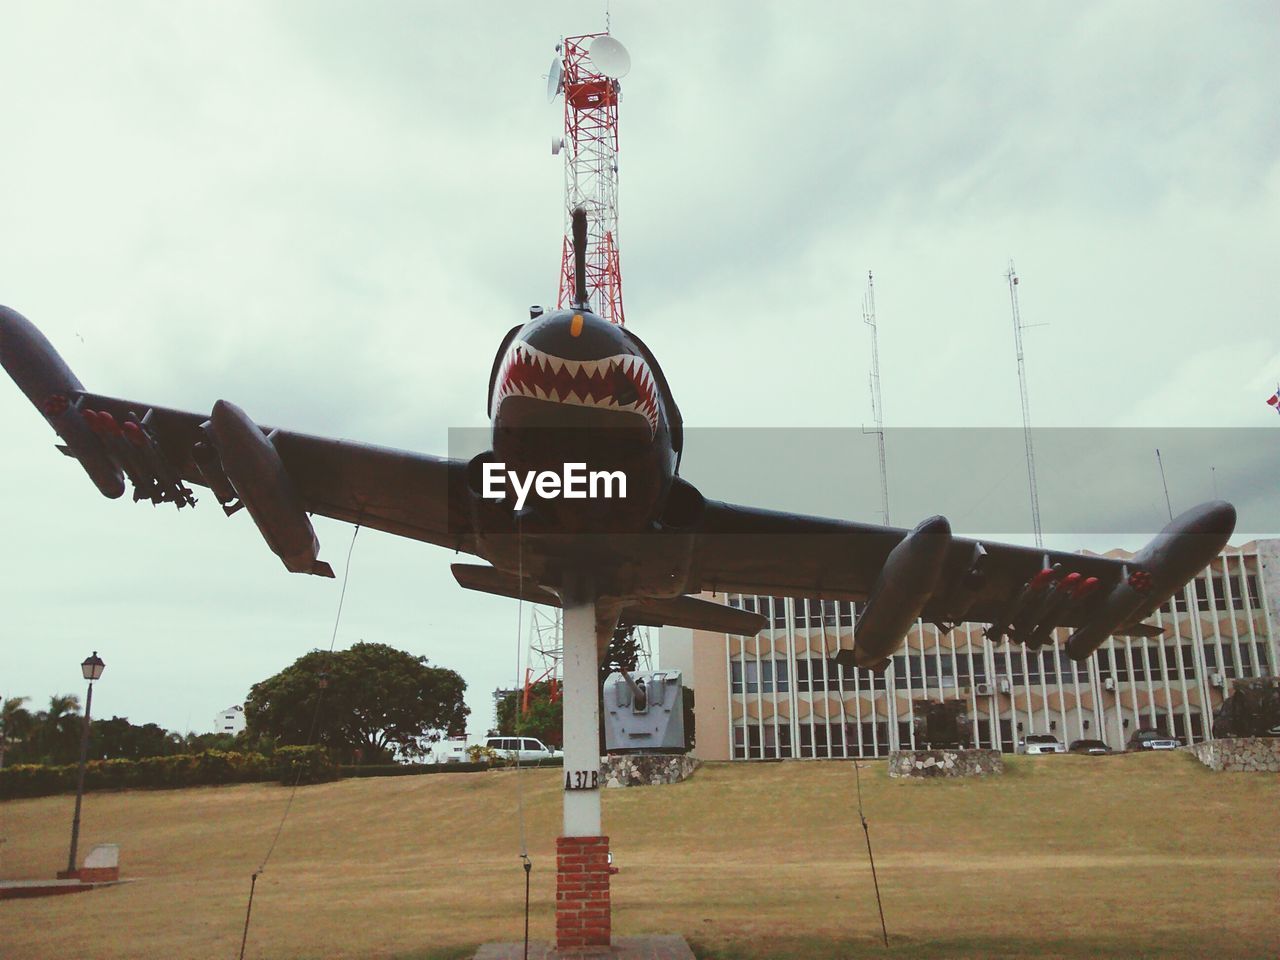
544,719
16,724
377,703
200,742
55,735
118,739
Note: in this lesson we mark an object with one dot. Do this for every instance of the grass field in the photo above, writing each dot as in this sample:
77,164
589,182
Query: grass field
1123,856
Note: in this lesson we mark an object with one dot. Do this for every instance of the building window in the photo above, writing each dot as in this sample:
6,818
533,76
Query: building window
779,613
815,739
1251,581
830,615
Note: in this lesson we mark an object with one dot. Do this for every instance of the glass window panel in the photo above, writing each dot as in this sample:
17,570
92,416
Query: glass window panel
802,675
779,612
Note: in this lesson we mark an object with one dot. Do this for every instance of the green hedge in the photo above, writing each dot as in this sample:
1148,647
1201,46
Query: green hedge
408,769
181,770
304,765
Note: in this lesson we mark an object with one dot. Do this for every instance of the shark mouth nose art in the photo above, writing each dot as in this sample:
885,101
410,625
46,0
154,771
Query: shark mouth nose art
622,383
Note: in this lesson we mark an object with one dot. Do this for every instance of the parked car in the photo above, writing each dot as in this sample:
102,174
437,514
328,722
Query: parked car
1094,747
1037,743
521,749
1153,740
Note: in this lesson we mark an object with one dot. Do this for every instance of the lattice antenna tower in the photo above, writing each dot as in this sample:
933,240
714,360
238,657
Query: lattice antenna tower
1018,326
546,650
877,403
586,73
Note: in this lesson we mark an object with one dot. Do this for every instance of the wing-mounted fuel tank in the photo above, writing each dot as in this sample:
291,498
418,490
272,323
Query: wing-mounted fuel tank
251,464
907,580
1180,551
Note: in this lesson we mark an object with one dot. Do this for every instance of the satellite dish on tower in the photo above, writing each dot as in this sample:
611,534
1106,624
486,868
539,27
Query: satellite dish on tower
555,79
610,57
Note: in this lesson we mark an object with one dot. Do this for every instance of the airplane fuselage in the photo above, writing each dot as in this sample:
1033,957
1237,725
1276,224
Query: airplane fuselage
573,392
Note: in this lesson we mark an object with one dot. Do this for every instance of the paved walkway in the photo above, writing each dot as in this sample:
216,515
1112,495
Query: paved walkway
17,889
624,948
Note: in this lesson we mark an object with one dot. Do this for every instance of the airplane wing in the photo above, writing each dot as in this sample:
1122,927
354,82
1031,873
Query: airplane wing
407,494
1022,592
753,551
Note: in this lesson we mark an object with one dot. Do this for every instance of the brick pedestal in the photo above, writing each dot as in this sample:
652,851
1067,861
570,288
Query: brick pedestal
582,892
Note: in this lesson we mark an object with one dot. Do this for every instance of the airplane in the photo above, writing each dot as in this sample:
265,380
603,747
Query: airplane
572,392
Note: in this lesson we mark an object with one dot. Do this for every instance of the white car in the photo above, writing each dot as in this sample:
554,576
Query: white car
521,749
1037,743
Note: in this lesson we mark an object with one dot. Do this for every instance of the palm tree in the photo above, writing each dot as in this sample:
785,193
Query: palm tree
15,724
57,729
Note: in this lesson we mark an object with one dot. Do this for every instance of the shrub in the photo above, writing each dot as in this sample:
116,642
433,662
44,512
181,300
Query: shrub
408,769
479,753
35,780
304,765
157,773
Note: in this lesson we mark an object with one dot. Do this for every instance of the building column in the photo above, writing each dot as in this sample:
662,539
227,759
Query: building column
582,853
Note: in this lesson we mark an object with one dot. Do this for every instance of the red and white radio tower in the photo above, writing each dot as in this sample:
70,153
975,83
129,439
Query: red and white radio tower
586,71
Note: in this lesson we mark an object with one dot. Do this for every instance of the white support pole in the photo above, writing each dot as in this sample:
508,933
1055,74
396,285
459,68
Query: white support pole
581,722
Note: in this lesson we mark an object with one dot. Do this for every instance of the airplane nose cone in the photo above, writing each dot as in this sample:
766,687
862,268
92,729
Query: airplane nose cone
1219,518
938,526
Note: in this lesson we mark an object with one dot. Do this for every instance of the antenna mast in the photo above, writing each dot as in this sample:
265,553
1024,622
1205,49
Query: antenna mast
877,406
586,72
1018,325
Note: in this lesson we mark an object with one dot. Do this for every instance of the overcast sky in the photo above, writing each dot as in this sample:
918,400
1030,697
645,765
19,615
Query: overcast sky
331,213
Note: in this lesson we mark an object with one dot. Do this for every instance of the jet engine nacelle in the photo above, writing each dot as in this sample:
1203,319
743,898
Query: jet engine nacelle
1180,551
253,465
906,582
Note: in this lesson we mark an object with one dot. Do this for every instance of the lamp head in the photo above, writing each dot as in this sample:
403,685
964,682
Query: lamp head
92,666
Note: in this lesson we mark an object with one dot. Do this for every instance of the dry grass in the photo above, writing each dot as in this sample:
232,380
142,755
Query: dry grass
1124,856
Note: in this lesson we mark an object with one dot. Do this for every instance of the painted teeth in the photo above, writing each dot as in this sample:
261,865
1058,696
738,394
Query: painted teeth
573,381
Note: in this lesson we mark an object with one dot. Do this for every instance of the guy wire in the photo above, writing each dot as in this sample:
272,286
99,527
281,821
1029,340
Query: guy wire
525,862
884,932
315,719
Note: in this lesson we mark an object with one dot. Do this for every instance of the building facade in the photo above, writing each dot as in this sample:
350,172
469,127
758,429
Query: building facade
782,695
230,720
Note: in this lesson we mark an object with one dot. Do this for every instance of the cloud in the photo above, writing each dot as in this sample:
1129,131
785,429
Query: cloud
331,215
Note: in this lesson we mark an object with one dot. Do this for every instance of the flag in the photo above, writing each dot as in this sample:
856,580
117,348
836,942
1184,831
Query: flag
1274,400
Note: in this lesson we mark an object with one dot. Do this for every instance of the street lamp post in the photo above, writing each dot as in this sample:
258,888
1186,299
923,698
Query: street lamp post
92,669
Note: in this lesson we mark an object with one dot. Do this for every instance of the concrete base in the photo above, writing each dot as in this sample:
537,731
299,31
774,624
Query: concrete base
1243,754
21,889
646,769
945,763
665,947
91,874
